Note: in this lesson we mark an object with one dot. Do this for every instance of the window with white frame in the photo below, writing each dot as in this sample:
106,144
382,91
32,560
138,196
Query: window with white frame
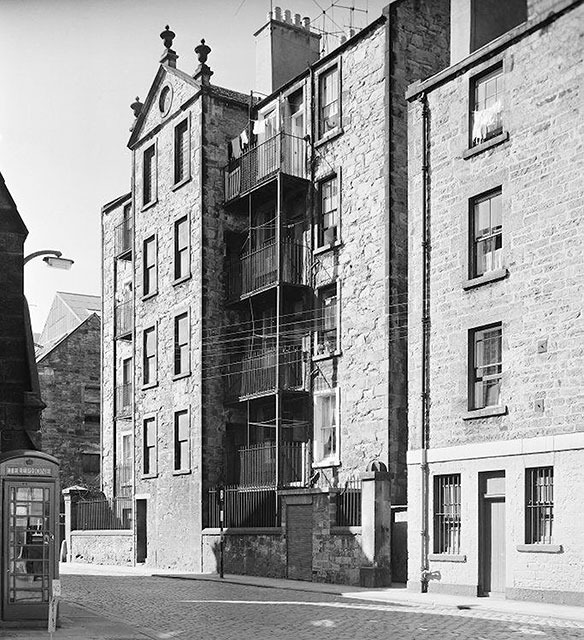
487,105
327,226
181,344
447,510
149,448
149,175
181,248
326,426
486,367
327,333
181,441
539,505
486,234
328,101
181,152
150,267
149,356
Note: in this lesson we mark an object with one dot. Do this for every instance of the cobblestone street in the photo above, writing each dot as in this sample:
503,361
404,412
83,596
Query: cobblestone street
189,609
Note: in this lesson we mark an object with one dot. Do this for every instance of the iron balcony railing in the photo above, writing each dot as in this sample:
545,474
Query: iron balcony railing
257,464
123,483
124,399
281,153
123,237
124,318
245,507
256,374
258,269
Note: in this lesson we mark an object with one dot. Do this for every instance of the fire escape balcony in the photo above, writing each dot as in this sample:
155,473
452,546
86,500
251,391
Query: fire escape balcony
256,464
256,375
258,269
281,153
124,399
123,239
124,319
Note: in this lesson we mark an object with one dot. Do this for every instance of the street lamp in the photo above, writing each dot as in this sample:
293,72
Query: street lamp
52,258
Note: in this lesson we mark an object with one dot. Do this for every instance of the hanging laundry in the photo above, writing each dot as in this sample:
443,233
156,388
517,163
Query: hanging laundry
243,138
258,127
485,121
235,148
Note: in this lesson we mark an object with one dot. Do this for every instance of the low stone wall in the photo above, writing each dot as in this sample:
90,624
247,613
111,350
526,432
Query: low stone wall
102,547
337,555
252,552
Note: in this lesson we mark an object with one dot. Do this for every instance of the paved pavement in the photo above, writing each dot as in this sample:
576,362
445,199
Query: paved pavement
126,604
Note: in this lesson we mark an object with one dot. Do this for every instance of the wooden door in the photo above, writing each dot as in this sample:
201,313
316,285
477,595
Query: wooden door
299,529
492,565
141,531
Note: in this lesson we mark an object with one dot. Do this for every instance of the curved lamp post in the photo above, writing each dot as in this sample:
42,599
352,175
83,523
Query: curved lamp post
52,258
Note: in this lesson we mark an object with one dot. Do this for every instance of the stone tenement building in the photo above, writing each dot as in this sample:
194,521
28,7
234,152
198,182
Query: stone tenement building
20,402
254,304
69,374
496,357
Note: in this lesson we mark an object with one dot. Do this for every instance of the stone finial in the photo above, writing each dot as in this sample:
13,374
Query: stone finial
202,50
136,107
167,37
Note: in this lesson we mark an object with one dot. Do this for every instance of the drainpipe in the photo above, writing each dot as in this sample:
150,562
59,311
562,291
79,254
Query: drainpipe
425,391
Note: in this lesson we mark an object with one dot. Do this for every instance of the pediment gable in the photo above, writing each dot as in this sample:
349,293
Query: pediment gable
178,88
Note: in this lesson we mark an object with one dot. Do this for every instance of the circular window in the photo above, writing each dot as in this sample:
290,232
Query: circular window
165,100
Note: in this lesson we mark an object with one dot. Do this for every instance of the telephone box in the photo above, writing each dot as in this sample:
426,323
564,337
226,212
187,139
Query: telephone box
30,511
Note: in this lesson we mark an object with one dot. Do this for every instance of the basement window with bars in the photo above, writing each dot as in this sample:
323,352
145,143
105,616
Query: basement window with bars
539,505
486,367
447,508
181,152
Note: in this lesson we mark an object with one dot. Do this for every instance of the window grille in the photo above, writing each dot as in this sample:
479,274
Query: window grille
447,507
486,367
539,511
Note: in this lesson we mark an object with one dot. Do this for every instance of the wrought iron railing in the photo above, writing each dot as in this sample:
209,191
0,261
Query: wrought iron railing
282,152
123,399
256,374
101,513
123,485
258,269
349,504
257,464
245,507
124,318
123,237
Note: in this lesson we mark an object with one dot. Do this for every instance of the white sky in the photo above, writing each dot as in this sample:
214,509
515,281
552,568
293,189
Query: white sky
70,69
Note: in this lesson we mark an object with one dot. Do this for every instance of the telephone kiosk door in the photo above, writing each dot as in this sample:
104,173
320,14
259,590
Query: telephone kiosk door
30,510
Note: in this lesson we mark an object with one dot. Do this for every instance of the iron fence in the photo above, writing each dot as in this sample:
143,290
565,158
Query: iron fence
103,513
257,464
349,505
245,507
281,152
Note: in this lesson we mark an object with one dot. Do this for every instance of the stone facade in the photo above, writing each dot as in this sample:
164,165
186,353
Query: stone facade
534,295
69,375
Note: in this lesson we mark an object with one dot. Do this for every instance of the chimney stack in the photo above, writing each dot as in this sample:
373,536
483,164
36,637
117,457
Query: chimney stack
284,48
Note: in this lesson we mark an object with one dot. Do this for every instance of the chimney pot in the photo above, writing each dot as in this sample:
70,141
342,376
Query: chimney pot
343,39
297,20
306,22
288,16
278,13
